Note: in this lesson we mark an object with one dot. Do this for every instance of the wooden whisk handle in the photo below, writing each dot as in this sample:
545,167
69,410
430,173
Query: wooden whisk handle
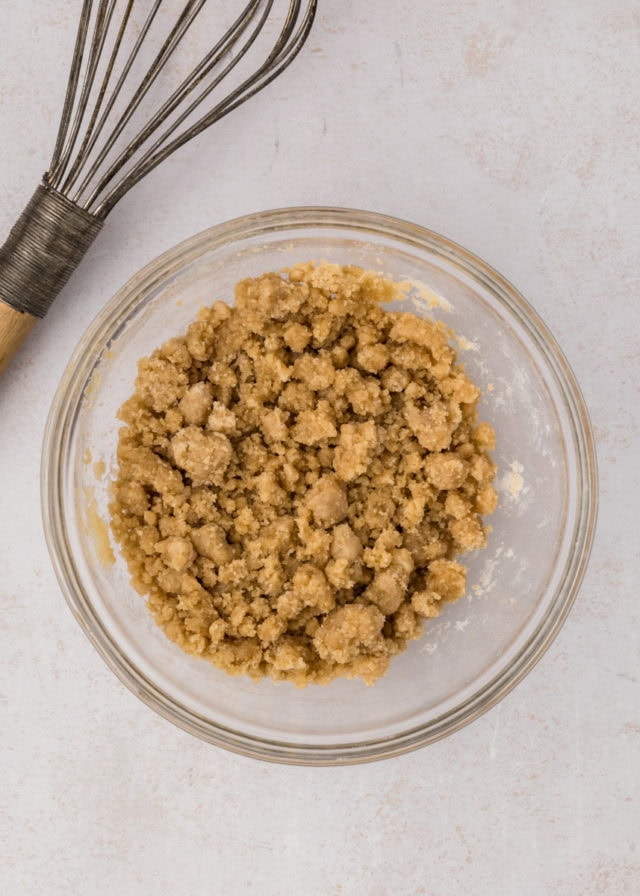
45,246
15,326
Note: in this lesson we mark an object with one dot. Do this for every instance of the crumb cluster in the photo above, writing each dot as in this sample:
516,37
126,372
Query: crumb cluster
297,475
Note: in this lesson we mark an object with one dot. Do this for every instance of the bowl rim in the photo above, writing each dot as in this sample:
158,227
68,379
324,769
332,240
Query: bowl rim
78,371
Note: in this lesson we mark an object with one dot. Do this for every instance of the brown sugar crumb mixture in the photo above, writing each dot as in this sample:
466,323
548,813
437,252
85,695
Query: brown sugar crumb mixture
297,475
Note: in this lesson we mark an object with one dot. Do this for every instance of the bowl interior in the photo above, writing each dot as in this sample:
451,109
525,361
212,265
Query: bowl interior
518,586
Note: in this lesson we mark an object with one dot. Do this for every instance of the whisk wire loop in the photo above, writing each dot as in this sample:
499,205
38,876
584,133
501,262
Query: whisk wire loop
98,169
93,129
189,84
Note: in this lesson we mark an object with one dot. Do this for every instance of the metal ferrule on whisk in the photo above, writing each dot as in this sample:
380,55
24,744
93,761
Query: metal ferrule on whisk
43,249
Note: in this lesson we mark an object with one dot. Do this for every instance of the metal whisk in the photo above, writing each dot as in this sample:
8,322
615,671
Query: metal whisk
97,159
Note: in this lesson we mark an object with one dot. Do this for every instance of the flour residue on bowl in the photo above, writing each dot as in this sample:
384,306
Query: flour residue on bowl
422,297
486,581
98,529
466,345
511,484
92,388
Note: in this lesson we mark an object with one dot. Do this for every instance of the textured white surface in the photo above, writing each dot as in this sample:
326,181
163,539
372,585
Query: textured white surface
513,128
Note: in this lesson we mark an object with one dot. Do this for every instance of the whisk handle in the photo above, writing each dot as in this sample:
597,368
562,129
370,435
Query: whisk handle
45,246
15,326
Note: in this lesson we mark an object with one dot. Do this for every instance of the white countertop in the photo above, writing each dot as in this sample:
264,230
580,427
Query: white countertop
513,128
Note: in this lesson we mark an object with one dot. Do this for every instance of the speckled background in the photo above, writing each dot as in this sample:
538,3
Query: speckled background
513,128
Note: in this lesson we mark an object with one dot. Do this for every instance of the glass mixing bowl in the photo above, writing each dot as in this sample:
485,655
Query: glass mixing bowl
520,588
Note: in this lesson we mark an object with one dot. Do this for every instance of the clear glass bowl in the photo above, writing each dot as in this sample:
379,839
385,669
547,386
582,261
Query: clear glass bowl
521,587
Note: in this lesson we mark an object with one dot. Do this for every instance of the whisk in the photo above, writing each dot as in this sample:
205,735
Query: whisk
97,159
